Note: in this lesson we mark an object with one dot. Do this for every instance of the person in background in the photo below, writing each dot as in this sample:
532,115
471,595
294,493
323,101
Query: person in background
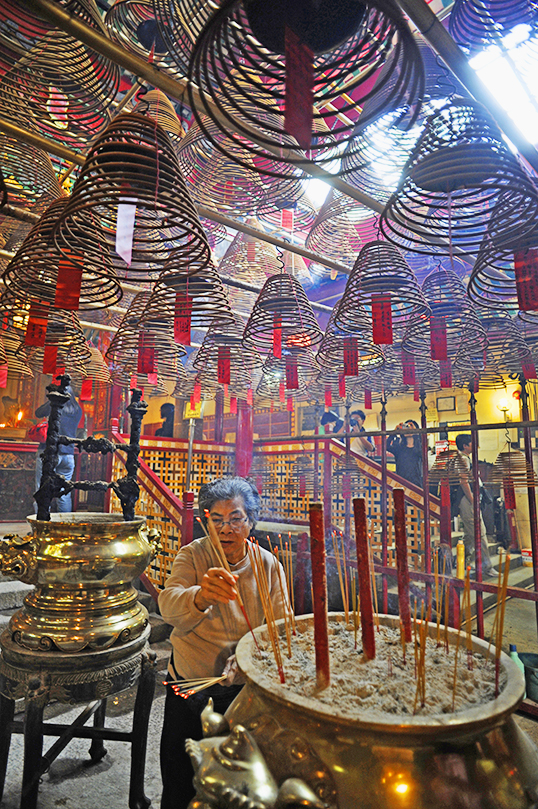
166,430
407,452
360,444
332,422
199,600
461,497
69,421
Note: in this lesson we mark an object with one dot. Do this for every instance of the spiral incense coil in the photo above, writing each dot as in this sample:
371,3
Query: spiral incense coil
328,384
157,106
132,24
159,389
28,174
249,260
63,86
297,216
506,352
346,479
263,473
458,171
241,47
275,380
282,302
180,23
226,335
201,297
133,165
511,465
449,467
475,24
184,383
446,296
334,233
215,232
15,354
39,271
302,477
380,270
64,336
336,341
492,283
96,367
295,266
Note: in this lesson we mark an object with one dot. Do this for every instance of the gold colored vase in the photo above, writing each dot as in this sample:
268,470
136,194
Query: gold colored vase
476,758
82,566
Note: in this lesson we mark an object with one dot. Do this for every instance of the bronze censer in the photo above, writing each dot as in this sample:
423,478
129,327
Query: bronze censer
275,749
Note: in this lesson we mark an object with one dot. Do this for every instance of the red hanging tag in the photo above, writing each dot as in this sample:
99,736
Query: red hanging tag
367,399
292,375
381,319
223,365
152,379
289,404
529,371
271,407
68,283
228,191
438,340
526,272
251,251
5,321
192,403
475,383
342,386
287,219
302,485
3,376
282,392
408,367
328,397
445,493
146,354
509,493
250,396
133,383
416,395
445,373
225,390
125,223
346,486
50,357
36,329
197,392
299,101
86,389
351,357
277,336
233,404
182,319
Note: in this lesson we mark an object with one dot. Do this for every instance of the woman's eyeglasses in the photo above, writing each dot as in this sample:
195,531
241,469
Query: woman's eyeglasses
235,523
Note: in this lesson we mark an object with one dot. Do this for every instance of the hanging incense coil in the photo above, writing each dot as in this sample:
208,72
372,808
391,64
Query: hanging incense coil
157,106
511,465
180,23
346,479
492,283
64,346
381,275
249,260
132,24
263,473
449,467
284,377
334,233
458,171
475,24
39,271
133,165
296,216
61,86
282,309
159,389
238,33
506,352
15,355
337,346
302,478
215,232
224,342
29,176
329,387
96,367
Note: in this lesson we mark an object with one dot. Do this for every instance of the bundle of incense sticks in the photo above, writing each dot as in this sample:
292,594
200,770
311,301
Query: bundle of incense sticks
285,598
421,633
184,688
400,538
498,623
342,573
287,564
260,575
364,577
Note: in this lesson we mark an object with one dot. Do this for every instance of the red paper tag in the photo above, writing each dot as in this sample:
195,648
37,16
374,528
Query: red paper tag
223,365
133,383
5,321
192,402
445,373
50,357
228,190
225,390
526,272
289,404
416,395
182,319
233,404
292,375
36,329
408,366
381,319
287,219
438,342
259,483
277,336
282,392
367,399
251,251
509,493
445,494
86,389
271,407
342,386
197,392
475,383
302,485
68,283
146,354
351,357
250,396
299,101
328,397
3,376
152,379
529,371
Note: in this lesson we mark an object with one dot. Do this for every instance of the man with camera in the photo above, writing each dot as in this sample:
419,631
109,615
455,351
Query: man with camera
360,444
407,453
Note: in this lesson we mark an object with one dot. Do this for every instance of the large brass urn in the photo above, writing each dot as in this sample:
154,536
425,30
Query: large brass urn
82,566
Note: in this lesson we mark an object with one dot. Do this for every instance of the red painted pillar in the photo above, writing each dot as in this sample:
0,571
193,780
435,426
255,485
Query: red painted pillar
187,518
244,440
219,416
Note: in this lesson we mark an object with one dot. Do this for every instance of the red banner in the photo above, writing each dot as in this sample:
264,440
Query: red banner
182,319
445,374
86,389
197,392
233,404
292,375
282,392
287,219
381,319
438,339
68,282
152,379
50,359
299,100
223,365
277,336
289,404
3,375
351,357
250,396
367,399
408,367
526,272
328,397
36,329
416,395
509,493
342,386
528,368
133,383
146,354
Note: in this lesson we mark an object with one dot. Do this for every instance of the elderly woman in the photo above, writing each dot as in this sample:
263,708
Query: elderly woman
200,601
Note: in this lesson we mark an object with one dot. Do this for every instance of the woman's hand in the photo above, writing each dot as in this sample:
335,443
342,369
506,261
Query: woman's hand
216,586
233,675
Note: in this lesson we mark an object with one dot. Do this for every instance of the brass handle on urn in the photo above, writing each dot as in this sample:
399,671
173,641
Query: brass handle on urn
154,538
18,557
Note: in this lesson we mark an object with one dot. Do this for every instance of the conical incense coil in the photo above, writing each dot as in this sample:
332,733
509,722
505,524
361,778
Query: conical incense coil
245,35
511,465
263,474
157,106
334,232
384,284
282,315
506,352
61,85
457,172
180,23
132,24
450,468
249,260
64,345
222,354
40,272
475,24
15,355
28,174
132,172
453,321
159,389
283,378
215,232
346,479
184,383
295,216
96,367
329,387
349,352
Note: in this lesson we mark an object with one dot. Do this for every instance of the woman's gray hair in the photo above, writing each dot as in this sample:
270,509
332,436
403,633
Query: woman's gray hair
227,489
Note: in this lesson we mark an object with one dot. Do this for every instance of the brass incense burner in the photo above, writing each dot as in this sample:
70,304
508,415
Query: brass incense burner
293,750
82,566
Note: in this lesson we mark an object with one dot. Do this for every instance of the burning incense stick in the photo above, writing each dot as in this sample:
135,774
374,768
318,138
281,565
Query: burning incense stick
374,587
285,601
263,590
339,569
436,576
184,688
447,606
400,537
363,571
319,587
500,627
346,588
468,619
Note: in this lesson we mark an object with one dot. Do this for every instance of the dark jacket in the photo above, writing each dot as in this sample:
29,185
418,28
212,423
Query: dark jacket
408,459
69,421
